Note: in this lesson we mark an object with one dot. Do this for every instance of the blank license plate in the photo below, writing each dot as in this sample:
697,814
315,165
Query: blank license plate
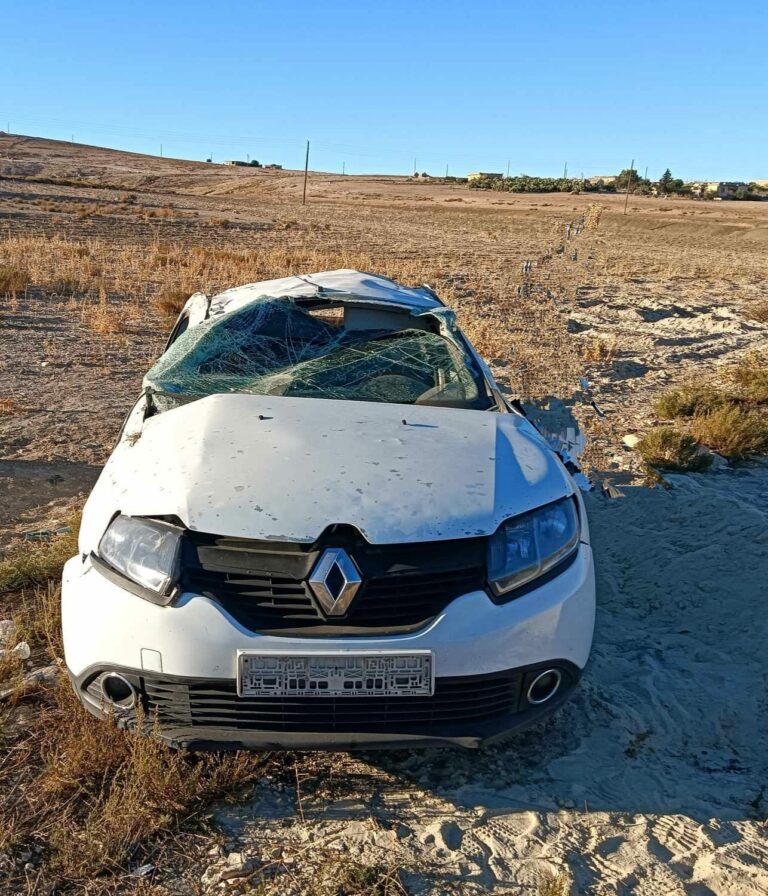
370,674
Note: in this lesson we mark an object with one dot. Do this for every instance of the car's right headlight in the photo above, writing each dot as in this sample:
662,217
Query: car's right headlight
530,545
143,552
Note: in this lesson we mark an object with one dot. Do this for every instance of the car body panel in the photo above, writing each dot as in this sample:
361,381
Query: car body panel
198,638
282,468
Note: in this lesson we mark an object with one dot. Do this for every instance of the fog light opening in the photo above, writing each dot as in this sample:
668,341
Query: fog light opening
544,686
118,691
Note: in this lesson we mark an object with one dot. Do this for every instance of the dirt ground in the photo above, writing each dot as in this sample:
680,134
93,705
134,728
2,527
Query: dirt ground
652,781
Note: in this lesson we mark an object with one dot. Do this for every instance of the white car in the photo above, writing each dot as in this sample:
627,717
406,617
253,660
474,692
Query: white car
324,527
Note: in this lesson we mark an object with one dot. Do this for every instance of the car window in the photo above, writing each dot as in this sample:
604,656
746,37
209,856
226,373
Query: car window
179,328
277,347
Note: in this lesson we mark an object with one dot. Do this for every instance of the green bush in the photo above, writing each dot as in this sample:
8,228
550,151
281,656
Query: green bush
751,378
732,431
666,448
687,401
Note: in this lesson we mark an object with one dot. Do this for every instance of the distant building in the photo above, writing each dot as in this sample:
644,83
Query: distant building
605,178
273,167
488,175
718,189
729,189
237,162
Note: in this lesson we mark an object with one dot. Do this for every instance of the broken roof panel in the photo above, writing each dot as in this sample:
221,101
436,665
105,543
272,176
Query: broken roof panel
345,282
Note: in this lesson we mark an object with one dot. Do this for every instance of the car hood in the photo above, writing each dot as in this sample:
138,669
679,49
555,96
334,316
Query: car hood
281,468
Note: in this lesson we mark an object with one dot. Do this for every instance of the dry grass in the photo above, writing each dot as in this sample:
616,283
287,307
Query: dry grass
599,350
732,431
352,878
688,400
525,332
750,377
82,795
731,421
104,317
551,884
34,563
13,280
667,448
758,311
171,300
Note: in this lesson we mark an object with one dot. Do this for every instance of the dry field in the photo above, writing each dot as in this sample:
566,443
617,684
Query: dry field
625,791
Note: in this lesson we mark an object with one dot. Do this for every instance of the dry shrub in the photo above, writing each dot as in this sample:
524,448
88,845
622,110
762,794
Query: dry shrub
732,423
668,449
65,286
592,216
751,377
599,351
732,431
349,877
104,318
9,407
172,299
758,311
13,280
550,884
687,401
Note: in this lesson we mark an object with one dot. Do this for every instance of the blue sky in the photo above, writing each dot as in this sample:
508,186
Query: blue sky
374,85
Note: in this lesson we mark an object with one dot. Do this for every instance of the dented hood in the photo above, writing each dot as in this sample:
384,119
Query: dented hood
287,468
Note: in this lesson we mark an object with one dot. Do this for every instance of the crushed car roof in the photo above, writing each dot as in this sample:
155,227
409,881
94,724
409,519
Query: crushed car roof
344,283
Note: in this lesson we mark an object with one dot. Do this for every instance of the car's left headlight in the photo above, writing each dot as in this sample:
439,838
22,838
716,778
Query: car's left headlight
528,546
145,553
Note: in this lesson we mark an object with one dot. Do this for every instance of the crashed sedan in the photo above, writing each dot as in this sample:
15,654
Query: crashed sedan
323,526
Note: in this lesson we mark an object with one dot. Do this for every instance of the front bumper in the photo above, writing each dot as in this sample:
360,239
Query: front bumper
184,662
201,714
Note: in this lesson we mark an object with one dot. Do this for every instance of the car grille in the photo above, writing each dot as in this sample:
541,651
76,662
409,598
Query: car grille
457,705
263,585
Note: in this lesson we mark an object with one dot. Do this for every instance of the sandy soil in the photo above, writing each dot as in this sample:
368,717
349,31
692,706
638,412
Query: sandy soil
652,780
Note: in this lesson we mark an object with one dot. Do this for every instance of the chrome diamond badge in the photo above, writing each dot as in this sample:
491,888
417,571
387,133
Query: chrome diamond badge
335,581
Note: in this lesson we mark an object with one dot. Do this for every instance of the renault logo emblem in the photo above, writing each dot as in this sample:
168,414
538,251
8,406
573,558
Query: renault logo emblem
335,581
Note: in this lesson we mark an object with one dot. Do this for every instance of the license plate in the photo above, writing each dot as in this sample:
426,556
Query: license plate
340,674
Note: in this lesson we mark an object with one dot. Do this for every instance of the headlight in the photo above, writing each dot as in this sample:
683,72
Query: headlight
145,552
527,546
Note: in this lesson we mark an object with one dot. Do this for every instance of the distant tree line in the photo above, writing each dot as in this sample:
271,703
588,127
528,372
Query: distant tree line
666,185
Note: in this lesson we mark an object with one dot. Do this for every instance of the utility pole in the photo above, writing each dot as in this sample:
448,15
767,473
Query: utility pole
248,158
645,177
565,171
507,167
306,172
73,139
161,150
446,171
343,168
414,164
629,181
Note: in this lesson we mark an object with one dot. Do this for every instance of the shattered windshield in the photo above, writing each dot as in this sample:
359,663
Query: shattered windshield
284,347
